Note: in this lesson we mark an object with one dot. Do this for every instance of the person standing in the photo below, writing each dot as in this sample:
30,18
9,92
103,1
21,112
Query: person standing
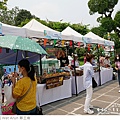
107,62
63,58
117,67
27,106
88,73
102,58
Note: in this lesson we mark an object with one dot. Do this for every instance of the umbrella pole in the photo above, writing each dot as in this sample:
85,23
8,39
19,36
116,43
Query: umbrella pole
40,65
16,61
99,66
75,70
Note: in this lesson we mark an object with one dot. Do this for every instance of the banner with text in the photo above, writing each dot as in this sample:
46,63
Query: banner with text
52,35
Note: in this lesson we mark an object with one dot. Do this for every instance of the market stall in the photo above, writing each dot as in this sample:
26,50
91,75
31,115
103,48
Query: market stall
45,96
79,79
106,75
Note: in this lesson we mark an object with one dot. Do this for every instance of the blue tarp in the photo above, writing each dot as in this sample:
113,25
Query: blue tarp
9,58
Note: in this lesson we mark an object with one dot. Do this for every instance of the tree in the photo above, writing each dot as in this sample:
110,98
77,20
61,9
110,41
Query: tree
114,37
3,4
108,24
117,22
103,7
100,31
82,29
22,16
58,25
8,16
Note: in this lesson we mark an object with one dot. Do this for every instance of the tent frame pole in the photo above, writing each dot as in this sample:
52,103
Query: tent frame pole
99,66
75,70
16,61
40,65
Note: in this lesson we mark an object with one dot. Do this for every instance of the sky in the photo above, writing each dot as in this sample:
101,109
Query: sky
73,11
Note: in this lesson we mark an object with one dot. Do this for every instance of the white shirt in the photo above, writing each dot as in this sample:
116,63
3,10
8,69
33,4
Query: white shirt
88,73
106,62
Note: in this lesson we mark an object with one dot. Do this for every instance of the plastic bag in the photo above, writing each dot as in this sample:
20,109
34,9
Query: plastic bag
8,94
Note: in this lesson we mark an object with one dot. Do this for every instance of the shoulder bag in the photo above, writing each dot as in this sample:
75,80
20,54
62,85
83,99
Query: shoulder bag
18,100
94,84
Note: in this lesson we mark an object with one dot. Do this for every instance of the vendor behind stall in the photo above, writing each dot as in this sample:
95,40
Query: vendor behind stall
107,62
63,58
102,58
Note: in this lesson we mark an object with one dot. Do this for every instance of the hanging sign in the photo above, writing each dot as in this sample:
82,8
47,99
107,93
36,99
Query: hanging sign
107,43
55,42
79,44
63,42
45,41
52,35
86,40
0,28
71,43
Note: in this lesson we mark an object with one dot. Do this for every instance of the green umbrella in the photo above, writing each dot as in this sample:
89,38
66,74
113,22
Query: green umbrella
20,43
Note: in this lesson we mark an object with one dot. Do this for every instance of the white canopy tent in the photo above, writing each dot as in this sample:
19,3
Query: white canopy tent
36,29
12,30
37,26
96,39
73,35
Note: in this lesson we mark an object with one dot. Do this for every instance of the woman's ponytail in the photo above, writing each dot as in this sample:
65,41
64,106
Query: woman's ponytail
31,73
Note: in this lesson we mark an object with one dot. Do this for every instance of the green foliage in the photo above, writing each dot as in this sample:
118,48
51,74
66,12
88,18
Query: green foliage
116,39
117,22
24,22
99,52
108,24
80,28
22,16
103,7
117,19
57,25
8,16
3,4
80,51
100,31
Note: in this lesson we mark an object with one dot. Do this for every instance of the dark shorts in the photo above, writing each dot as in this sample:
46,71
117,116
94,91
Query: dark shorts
31,112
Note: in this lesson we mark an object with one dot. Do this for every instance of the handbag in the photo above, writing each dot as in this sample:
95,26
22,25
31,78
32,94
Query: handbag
94,84
18,100
7,109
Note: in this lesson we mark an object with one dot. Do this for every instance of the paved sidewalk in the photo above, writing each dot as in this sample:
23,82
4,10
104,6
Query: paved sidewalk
106,101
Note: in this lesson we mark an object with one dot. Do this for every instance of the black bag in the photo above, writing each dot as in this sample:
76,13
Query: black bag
94,84
39,111
14,108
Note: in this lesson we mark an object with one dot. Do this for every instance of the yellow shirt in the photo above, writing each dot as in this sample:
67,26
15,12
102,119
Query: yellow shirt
21,87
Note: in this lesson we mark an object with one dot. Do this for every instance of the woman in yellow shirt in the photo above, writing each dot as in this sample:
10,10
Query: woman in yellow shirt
27,106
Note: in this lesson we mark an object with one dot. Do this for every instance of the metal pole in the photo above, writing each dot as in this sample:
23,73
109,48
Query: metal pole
40,65
75,70
99,66
16,61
